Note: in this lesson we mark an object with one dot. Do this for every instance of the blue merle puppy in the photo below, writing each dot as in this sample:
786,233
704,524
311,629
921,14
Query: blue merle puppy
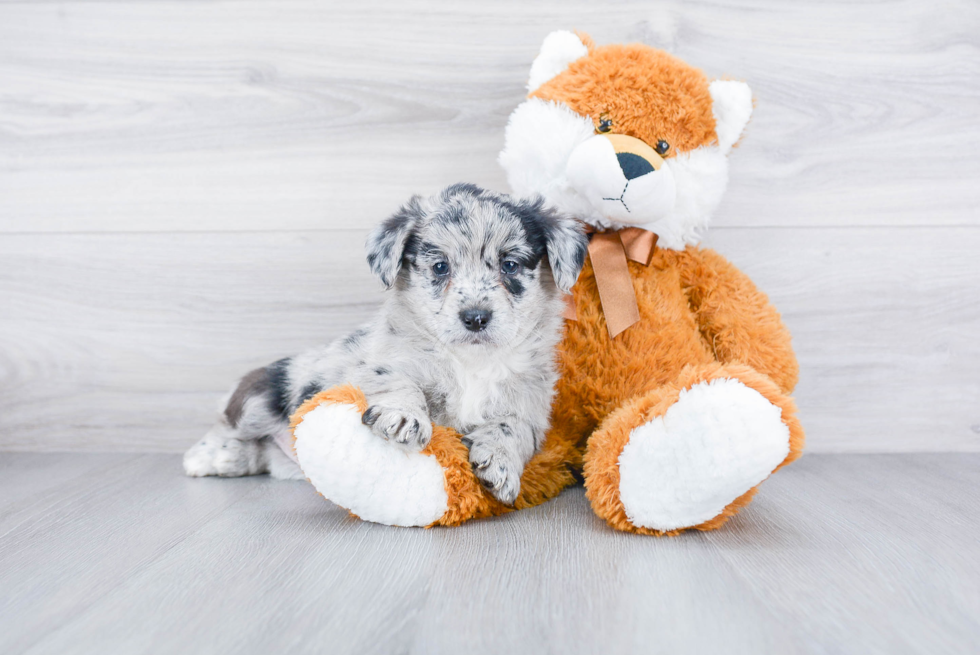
465,338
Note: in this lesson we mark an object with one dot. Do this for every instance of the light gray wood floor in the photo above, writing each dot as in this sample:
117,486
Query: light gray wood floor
119,553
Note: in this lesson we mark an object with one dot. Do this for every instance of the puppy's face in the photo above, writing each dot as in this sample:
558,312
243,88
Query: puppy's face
475,267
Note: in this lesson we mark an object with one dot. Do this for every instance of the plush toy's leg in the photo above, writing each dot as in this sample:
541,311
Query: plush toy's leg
348,464
381,481
690,454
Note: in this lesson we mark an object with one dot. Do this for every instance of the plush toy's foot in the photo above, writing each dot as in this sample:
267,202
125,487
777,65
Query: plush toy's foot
691,454
377,480
384,482
718,440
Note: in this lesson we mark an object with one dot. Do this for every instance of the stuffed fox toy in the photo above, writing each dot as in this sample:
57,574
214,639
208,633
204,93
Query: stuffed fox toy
674,398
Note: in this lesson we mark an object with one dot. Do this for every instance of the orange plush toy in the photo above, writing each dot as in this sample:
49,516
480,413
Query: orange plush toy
673,402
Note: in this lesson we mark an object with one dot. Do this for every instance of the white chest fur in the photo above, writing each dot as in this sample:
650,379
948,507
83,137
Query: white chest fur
482,382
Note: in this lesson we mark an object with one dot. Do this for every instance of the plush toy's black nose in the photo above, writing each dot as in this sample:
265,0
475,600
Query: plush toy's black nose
475,320
633,166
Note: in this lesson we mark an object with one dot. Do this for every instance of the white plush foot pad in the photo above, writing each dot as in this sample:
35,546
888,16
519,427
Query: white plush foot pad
378,480
716,442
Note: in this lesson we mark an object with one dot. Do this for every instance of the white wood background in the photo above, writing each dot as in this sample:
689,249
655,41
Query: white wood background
185,188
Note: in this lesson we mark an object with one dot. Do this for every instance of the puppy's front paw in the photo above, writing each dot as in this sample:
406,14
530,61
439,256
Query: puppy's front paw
496,465
399,425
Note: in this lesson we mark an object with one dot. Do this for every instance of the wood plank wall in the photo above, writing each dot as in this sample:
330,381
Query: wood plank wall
185,188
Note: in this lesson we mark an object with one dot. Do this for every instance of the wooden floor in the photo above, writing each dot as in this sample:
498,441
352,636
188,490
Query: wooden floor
119,553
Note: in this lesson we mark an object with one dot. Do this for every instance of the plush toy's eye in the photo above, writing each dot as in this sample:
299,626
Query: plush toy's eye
605,123
441,269
510,267
662,147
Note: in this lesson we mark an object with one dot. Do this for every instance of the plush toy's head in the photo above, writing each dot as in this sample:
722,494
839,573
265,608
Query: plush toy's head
623,135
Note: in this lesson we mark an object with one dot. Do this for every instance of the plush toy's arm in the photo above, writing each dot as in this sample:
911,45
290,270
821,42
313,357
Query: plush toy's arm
735,318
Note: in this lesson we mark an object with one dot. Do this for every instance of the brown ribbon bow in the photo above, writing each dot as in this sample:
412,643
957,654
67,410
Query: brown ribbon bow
609,252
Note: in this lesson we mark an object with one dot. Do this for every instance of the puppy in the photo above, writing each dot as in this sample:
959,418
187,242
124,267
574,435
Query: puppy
465,338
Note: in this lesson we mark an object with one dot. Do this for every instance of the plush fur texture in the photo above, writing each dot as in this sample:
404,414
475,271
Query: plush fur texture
702,320
715,442
351,466
647,93
378,481
557,52
607,445
675,422
552,146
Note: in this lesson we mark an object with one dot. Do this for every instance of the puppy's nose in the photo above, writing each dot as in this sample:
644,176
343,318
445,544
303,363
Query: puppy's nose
475,320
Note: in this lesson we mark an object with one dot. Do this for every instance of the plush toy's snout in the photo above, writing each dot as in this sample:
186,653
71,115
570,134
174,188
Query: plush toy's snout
623,178
635,157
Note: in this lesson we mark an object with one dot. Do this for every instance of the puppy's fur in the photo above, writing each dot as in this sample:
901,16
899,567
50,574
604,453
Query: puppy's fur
465,338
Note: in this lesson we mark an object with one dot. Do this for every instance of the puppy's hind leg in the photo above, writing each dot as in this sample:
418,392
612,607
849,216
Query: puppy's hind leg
221,452
235,445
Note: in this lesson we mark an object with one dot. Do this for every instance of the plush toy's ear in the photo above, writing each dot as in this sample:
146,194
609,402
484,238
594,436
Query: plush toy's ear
386,245
558,50
732,107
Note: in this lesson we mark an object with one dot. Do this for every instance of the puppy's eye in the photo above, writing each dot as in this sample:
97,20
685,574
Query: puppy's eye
441,269
510,267
662,147
605,123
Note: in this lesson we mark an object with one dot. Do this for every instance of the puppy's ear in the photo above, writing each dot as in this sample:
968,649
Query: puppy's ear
387,243
567,245
564,239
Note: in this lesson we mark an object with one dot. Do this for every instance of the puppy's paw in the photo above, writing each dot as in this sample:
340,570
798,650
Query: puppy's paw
225,457
408,427
237,458
199,460
495,464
